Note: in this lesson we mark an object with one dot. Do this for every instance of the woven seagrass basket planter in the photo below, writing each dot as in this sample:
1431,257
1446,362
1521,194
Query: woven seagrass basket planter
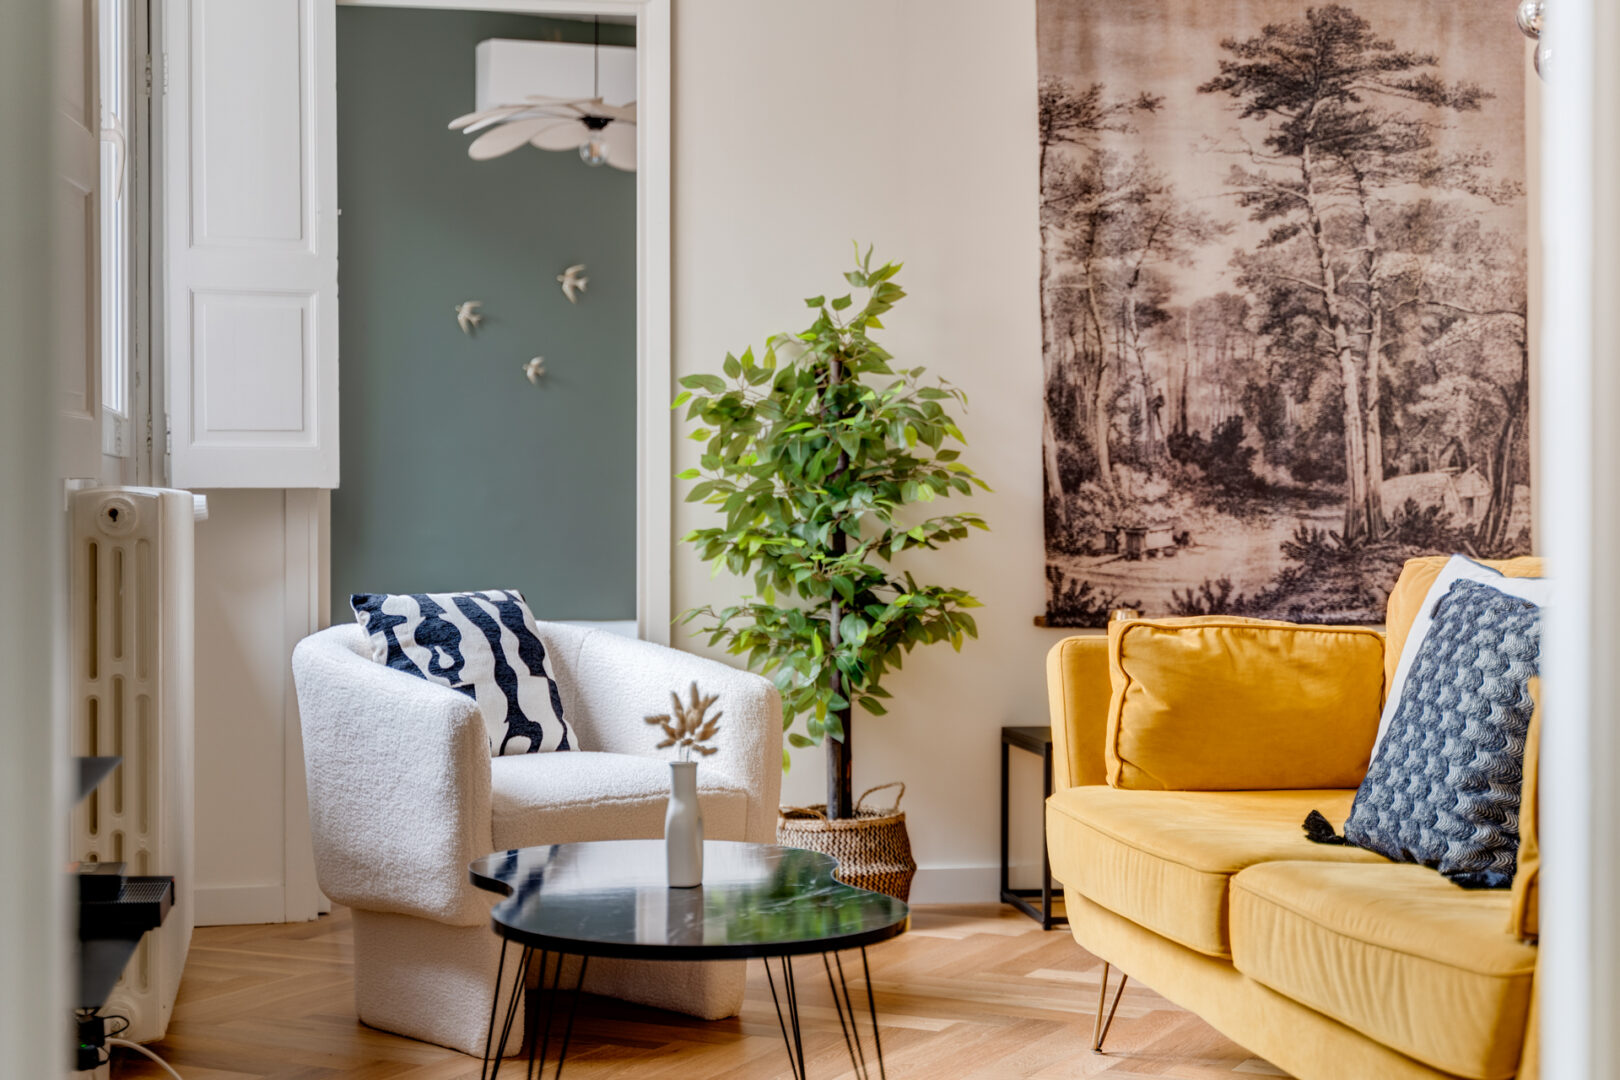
872,848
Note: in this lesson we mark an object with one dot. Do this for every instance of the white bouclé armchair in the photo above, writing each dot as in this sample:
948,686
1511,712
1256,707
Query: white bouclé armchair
403,795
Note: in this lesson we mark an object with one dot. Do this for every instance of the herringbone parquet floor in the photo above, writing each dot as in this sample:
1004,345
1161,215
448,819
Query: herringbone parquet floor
971,993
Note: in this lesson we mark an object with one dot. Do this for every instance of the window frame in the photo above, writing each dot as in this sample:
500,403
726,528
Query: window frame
125,242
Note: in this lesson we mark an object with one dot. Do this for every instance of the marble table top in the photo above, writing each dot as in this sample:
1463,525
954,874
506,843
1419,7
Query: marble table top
609,898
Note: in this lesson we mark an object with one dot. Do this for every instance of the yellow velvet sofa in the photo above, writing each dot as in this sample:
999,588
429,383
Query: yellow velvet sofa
1175,828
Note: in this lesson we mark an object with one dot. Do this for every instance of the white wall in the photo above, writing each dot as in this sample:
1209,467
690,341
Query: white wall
910,124
261,586
34,924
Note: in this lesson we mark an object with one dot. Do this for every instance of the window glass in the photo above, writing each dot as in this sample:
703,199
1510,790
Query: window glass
116,330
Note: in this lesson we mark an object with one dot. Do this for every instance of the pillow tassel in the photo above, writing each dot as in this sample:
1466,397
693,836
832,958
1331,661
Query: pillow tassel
1318,830
1481,879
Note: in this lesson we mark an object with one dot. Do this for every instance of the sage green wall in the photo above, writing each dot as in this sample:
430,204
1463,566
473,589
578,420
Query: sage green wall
457,473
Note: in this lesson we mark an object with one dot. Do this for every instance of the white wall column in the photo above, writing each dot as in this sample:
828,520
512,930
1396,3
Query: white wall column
1580,439
34,1013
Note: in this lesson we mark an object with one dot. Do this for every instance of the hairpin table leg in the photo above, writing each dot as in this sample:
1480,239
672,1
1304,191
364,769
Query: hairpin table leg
1100,1031
790,1031
494,1064
494,1011
871,1005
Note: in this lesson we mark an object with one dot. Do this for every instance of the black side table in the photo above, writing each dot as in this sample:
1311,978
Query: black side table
1037,740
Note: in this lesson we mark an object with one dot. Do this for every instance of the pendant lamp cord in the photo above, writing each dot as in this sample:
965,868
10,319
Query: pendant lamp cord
596,56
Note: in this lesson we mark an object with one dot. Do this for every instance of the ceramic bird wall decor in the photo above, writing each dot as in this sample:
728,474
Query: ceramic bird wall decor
467,316
572,282
534,369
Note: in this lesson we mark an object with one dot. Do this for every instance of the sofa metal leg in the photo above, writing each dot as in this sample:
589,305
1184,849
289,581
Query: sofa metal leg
1100,1031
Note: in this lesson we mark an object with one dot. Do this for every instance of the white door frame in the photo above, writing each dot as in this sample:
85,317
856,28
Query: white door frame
1579,979
654,370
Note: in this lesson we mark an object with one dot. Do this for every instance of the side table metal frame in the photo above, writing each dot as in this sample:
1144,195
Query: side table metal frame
1020,898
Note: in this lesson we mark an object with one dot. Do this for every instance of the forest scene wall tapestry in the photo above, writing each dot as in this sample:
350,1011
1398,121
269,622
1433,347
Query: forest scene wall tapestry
1284,301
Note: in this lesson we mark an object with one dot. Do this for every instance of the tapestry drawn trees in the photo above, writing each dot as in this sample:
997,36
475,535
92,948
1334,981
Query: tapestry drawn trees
1283,290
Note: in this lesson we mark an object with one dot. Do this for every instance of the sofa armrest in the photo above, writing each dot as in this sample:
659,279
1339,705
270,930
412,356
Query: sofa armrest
1526,922
610,684
399,783
1077,690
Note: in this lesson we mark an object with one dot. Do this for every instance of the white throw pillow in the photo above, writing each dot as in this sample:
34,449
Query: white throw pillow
1460,568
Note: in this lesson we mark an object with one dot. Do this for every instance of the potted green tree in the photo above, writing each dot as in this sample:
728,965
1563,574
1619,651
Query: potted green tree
814,452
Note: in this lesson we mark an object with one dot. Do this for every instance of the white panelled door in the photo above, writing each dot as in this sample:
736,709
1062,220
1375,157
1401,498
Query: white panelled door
75,206
250,156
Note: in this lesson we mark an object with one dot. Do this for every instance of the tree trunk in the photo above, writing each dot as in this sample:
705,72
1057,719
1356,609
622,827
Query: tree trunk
1180,423
1150,418
840,751
1374,365
1052,462
1046,256
840,769
840,763
1375,423
1356,524
1492,536
1100,424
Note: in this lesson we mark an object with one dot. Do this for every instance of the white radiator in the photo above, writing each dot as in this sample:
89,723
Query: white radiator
132,679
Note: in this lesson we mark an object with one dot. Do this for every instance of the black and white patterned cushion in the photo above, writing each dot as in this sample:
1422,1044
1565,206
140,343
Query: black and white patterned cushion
484,644
1443,787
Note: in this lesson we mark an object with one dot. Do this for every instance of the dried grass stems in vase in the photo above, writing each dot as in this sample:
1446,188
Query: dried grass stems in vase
688,726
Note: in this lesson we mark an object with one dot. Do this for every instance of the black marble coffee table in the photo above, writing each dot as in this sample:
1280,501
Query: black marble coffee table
609,899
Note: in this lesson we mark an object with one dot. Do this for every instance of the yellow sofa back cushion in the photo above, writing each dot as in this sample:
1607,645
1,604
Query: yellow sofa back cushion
1413,585
1226,704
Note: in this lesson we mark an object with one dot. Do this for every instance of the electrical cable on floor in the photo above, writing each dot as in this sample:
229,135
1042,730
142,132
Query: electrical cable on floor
139,1049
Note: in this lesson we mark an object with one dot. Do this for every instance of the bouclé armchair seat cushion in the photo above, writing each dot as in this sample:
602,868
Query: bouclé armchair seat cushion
1395,952
570,798
1164,859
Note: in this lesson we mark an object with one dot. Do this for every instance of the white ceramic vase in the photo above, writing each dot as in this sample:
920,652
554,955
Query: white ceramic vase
683,827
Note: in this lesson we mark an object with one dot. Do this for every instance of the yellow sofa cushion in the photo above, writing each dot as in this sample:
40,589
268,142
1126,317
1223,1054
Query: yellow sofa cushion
1395,952
1222,704
1406,598
1163,858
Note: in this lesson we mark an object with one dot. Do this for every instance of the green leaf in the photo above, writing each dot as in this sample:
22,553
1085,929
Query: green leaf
732,367
712,384
681,399
688,474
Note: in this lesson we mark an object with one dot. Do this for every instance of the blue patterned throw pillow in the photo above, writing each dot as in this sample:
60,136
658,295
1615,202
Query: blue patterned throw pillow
483,644
1443,788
